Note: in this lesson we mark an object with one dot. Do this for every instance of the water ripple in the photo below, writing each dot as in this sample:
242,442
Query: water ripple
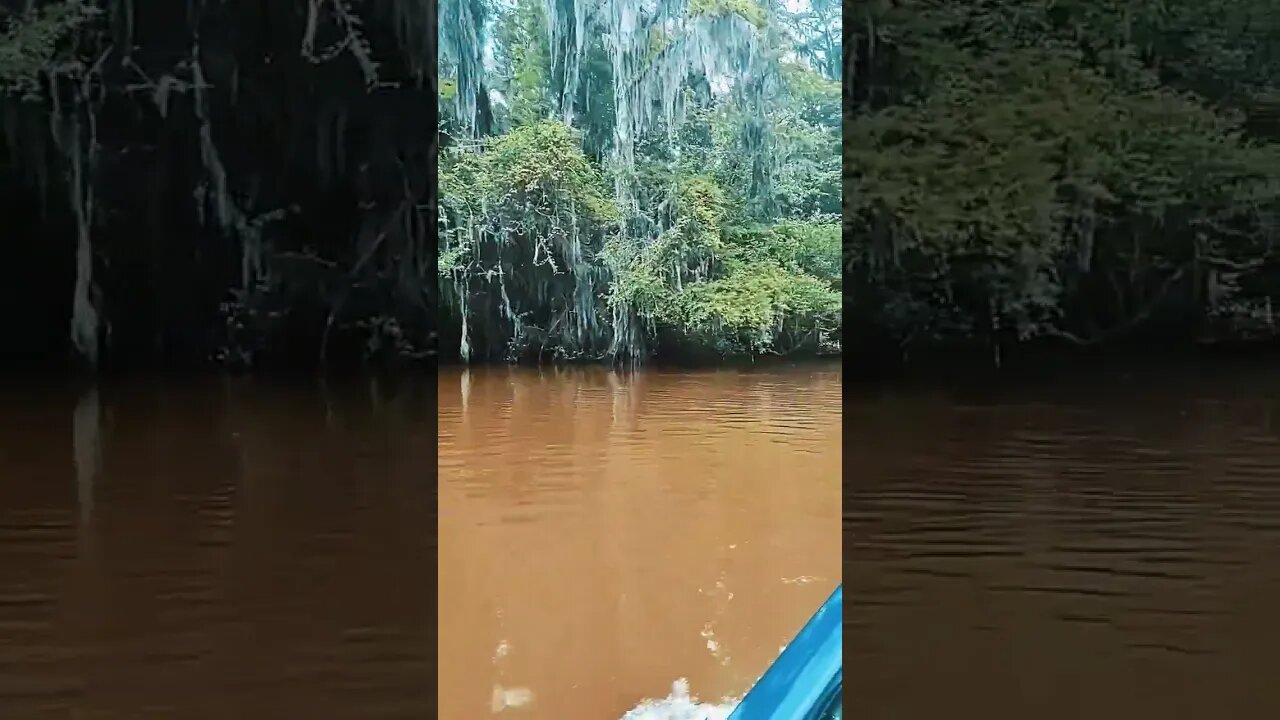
1015,544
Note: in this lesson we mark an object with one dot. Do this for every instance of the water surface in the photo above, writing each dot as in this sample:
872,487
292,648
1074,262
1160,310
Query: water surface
603,534
1108,548
215,550
236,549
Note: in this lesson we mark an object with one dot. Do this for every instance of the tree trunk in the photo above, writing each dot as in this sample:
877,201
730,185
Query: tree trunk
84,316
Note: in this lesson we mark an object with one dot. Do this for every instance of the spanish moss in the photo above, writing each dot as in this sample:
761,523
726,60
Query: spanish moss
237,182
627,199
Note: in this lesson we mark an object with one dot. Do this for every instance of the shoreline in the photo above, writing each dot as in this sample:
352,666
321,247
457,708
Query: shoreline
970,365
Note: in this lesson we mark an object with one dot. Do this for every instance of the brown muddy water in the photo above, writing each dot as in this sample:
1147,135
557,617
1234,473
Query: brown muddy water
242,550
220,550
605,534
1108,548
1105,549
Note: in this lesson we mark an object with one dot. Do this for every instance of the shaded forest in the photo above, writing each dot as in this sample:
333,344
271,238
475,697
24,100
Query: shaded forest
248,183
252,183
1074,174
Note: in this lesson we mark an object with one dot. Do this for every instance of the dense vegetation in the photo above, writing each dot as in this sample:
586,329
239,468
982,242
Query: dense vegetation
620,179
1081,172
252,182
241,181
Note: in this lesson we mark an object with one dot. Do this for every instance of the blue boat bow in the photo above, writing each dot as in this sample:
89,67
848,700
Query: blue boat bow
806,680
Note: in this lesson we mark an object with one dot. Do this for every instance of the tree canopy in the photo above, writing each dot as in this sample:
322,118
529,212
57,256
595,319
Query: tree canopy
620,179
1083,171
244,182
253,182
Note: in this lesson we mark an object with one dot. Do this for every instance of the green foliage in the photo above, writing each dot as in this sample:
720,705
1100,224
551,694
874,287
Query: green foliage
806,175
543,165
523,218
29,44
736,290
1016,167
455,258
522,40
803,247
748,10
659,41
816,98
724,239
520,182
749,308
701,208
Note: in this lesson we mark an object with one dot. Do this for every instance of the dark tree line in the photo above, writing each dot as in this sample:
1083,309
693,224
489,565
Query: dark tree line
240,181
252,182
1075,173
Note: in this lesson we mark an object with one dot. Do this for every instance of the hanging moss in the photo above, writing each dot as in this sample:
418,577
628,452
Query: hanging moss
748,10
654,265
250,181
524,217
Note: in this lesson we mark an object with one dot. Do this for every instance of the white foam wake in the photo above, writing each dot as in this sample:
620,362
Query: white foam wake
680,705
